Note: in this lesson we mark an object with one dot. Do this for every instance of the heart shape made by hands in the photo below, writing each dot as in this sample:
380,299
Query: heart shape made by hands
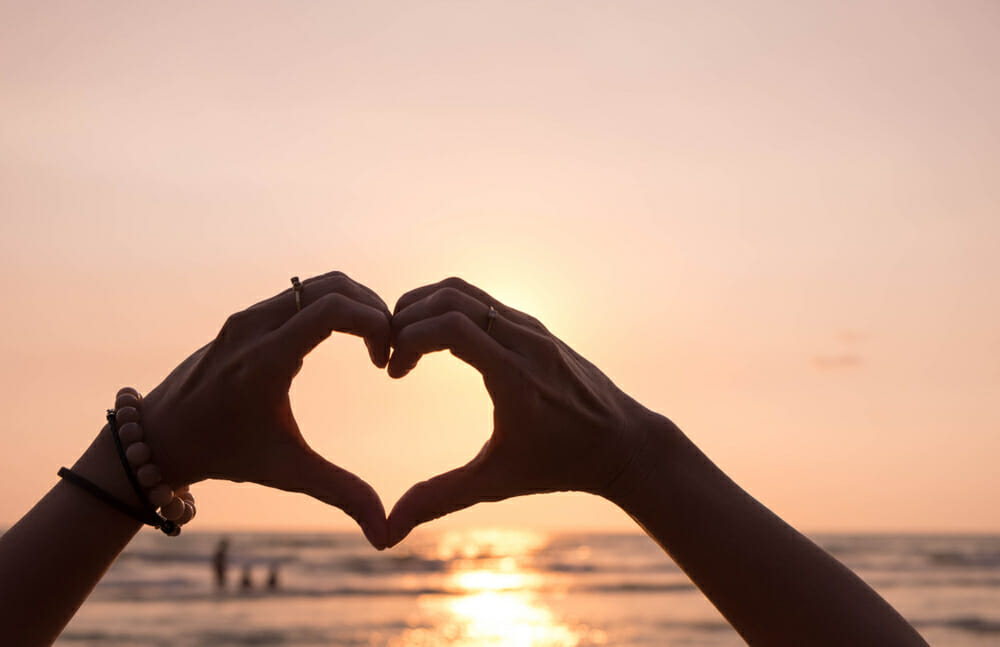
558,422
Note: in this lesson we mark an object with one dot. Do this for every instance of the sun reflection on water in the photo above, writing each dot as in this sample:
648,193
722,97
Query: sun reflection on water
486,543
496,601
508,618
502,579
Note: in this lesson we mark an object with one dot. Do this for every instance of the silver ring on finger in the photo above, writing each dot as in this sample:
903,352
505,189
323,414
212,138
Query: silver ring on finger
297,290
491,317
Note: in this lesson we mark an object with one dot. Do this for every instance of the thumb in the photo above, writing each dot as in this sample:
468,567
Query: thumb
331,484
434,498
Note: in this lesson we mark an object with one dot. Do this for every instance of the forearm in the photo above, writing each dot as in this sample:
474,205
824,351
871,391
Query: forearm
53,557
774,585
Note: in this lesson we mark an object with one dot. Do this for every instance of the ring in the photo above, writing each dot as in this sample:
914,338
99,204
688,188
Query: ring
297,289
491,317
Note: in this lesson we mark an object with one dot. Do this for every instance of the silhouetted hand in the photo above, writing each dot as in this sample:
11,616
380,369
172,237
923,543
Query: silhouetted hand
224,413
558,422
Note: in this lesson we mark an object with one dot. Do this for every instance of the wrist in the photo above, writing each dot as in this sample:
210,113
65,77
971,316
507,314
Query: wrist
117,468
661,448
101,465
160,425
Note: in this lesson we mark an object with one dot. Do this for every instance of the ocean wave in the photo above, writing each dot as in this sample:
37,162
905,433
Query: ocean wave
186,591
971,624
234,637
379,565
988,582
931,570
965,560
889,552
389,564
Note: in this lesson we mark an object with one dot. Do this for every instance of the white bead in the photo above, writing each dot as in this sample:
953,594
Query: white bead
149,475
130,433
187,515
127,397
127,414
173,510
160,495
138,454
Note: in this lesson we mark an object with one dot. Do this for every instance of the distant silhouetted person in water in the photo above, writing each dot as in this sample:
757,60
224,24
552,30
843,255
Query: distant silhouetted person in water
220,563
246,582
272,577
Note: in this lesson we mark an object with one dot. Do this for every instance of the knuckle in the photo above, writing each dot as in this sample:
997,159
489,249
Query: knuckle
448,297
550,349
333,274
325,307
236,373
536,324
455,282
342,283
236,324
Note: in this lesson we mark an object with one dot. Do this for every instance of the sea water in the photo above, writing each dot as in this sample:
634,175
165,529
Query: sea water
497,587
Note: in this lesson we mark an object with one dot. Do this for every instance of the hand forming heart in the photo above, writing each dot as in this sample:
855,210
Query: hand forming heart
559,423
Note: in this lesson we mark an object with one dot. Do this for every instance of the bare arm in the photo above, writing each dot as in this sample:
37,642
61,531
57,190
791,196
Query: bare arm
54,556
775,586
560,424
223,413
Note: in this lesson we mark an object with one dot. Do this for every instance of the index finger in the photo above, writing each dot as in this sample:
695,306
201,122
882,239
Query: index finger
275,311
334,312
461,285
451,331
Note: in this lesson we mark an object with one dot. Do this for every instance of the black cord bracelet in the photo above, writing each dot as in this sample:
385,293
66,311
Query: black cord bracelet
139,515
147,514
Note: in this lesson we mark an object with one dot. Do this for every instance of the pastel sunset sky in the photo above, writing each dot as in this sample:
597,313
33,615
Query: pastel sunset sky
777,223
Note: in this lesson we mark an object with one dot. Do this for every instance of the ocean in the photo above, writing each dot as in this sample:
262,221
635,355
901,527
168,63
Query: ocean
477,588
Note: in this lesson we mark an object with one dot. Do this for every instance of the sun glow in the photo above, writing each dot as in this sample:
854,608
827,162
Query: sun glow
500,609
508,618
494,599
492,581
489,543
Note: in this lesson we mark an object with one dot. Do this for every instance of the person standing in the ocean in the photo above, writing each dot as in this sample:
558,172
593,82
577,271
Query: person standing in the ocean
220,563
272,577
246,581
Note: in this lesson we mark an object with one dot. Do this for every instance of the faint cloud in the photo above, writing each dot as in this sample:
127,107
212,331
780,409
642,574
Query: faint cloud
835,362
850,336
846,356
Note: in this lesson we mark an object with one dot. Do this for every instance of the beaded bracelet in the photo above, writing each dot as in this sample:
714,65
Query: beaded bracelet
176,506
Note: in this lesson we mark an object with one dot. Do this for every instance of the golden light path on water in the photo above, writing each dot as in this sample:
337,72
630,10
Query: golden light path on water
499,605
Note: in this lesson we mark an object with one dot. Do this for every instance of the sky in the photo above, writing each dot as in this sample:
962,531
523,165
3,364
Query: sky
775,223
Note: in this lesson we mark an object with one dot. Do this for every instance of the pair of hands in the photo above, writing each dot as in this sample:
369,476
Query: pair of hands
558,422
